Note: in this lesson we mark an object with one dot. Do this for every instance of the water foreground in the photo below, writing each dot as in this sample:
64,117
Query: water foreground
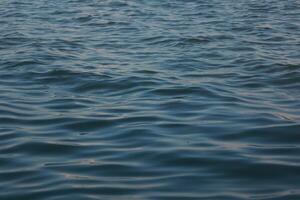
149,99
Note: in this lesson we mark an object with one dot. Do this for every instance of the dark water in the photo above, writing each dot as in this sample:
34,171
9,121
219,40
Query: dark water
149,99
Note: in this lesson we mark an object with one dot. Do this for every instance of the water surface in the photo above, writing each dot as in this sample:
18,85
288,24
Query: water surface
149,99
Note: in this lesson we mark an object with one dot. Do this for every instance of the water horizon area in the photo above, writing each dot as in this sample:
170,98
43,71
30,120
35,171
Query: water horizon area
149,100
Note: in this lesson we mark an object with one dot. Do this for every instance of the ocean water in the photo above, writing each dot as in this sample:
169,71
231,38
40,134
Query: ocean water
149,99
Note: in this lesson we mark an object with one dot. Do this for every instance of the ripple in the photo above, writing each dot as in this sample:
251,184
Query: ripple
140,99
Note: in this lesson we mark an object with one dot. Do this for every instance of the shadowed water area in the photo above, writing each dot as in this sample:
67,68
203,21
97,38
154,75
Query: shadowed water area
149,99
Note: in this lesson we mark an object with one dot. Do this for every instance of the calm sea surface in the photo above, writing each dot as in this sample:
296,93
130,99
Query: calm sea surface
149,100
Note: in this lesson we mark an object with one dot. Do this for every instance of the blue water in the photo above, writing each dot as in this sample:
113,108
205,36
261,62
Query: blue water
149,99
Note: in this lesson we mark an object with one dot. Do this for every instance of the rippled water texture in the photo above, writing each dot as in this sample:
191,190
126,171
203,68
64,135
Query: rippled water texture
149,99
